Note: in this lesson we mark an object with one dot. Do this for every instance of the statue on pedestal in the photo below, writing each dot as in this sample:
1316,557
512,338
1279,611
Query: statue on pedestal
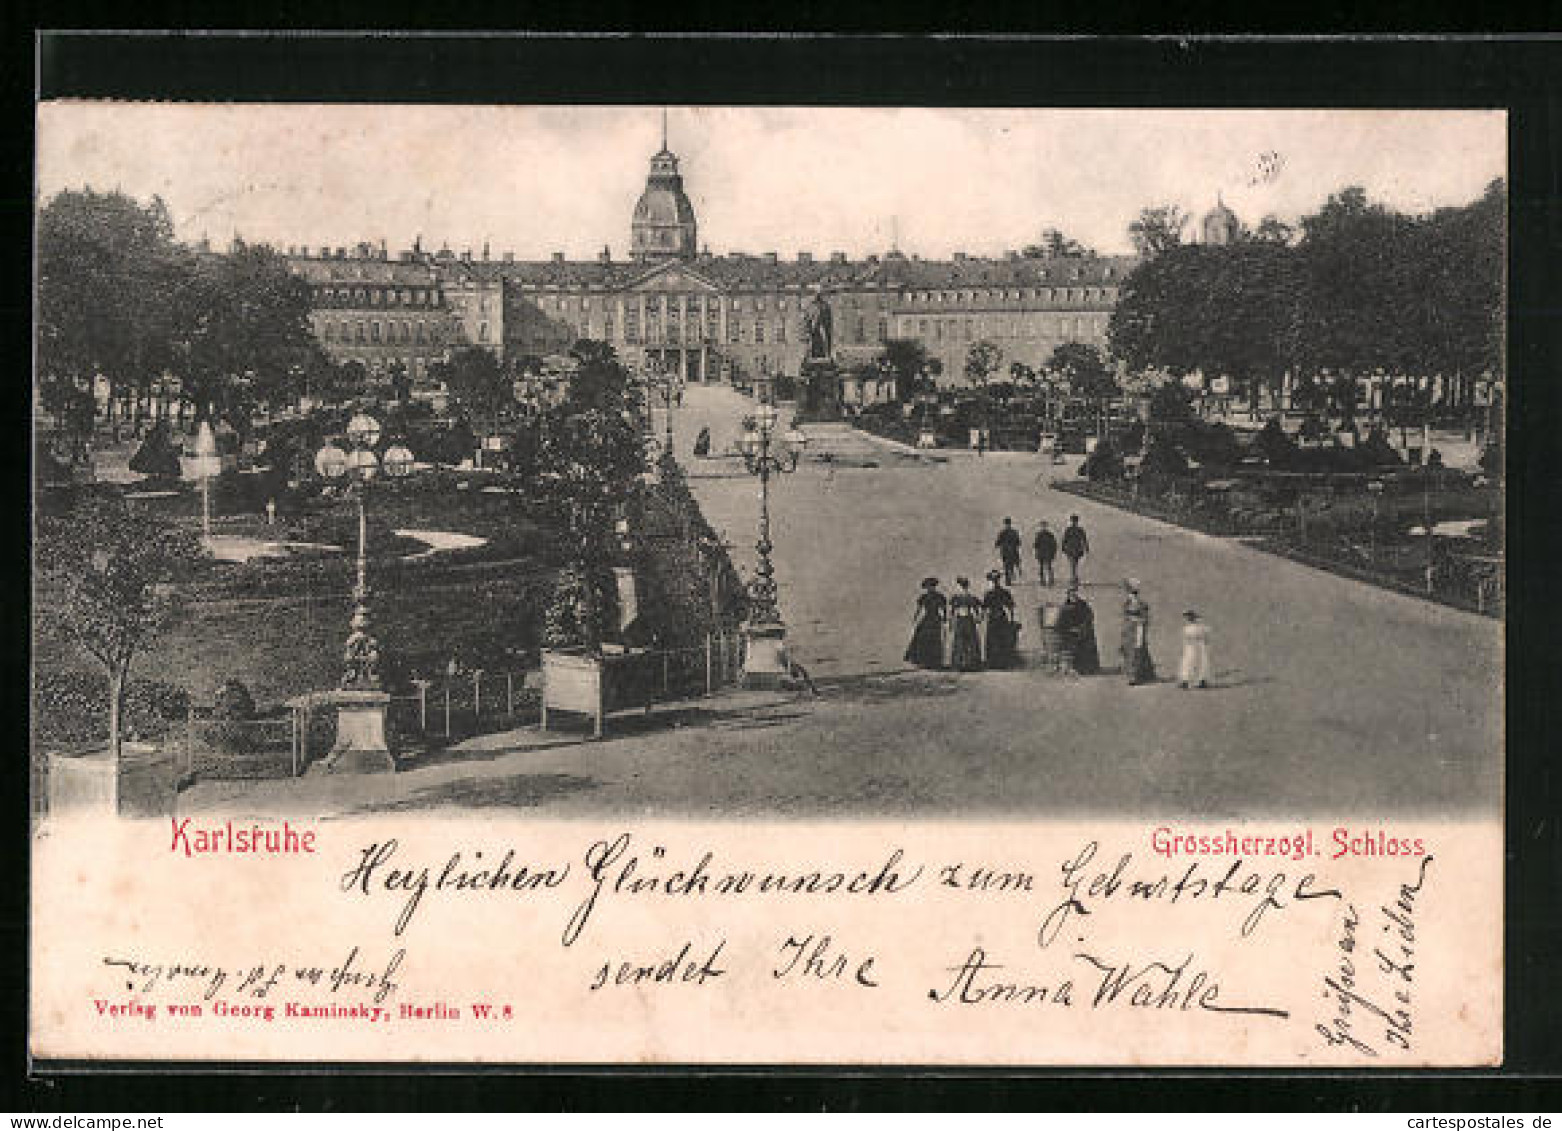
817,324
818,375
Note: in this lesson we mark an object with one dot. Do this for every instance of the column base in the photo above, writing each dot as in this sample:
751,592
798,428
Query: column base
360,735
765,661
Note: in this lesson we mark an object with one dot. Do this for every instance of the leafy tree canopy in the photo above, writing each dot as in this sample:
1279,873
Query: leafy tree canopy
1158,229
1085,370
1055,245
478,383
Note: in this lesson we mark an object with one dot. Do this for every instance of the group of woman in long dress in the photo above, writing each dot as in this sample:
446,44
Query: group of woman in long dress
982,632
963,617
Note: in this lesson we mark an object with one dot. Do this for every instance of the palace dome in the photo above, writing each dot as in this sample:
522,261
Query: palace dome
663,226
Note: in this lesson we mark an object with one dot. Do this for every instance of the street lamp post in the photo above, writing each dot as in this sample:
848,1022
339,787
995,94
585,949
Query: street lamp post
764,454
1375,487
360,696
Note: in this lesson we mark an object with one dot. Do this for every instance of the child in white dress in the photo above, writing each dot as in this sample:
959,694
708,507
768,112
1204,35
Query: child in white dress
1194,669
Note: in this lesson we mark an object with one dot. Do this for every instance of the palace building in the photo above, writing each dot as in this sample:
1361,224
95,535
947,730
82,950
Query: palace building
736,317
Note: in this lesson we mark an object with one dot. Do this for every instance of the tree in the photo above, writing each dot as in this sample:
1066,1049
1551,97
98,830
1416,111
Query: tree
242,335
1230,310
1158,229
478,383
981,362
602,383
1085,370
338,384
400,383
107,577
1358,308
1055,245
157,457
107,272
907,357
1272,229
591,451
1171,403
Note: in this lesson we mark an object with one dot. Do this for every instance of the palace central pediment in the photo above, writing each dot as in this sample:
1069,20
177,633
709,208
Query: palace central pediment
677,277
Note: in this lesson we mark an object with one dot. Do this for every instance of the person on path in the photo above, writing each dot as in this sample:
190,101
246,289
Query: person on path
926,649
1046,546
1002,628
1008,544
1135,646
1075,546
702,443
1077,625
1194,669
965,612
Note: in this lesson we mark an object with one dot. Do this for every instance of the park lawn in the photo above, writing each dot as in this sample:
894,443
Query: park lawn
279,625
455,502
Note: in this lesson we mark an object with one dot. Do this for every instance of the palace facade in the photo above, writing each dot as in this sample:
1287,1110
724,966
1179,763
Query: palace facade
736,317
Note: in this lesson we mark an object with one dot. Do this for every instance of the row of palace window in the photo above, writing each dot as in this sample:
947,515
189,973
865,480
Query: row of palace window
740,331
360,332
1035,294
676,304
941,329
378,296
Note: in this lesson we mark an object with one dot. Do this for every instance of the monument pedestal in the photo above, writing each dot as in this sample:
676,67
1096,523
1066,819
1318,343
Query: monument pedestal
819,391
765,663
360,735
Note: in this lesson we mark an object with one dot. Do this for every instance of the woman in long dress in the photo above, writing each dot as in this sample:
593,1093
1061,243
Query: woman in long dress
1137,665
1194,669
965,612
1077,625
926,649
1002,628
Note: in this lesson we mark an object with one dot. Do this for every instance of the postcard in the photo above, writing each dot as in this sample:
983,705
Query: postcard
768,585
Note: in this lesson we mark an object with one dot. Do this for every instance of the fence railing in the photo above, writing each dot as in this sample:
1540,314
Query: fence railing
441,711
1344,534
452,708
212,748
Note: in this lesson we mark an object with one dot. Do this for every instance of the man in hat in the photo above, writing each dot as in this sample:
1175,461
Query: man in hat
1194,669
1008,544
1075,546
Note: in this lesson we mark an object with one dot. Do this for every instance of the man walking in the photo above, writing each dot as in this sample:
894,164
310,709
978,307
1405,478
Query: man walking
1046,546
1008,543
1075,546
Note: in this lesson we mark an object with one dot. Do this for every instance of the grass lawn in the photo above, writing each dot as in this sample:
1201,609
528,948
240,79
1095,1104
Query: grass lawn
284,647
279,625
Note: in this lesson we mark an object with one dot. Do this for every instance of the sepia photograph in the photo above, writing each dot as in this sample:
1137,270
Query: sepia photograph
793,462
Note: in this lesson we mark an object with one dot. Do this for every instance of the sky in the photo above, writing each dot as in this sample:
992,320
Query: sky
535,180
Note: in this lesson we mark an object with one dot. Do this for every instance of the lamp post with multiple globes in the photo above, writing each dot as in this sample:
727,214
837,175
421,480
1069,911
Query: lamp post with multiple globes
765,454
360,697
